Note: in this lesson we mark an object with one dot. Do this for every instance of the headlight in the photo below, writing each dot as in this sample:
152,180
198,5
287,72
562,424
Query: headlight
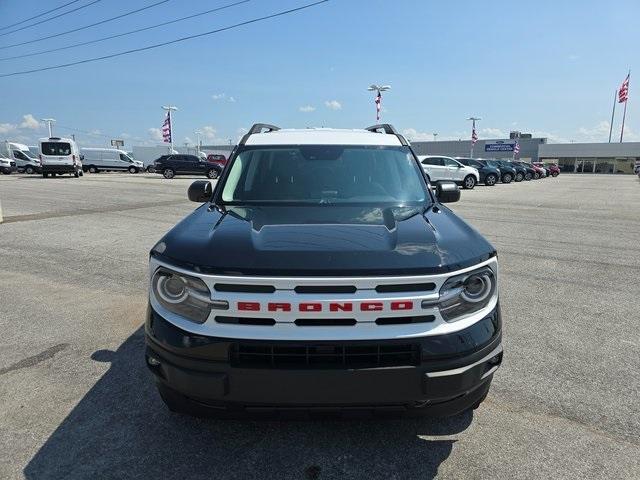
183,295
466,294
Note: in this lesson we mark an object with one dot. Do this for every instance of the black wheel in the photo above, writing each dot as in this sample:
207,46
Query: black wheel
81,173
93,169
6,172
490,180
45,175
133,170
528,176
555,174
150,169
76,174
507,178
469,182
536,176
29,170
519,177
213,174
168,173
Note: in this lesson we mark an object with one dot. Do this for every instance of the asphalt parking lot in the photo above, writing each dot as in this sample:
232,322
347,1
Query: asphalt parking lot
76,400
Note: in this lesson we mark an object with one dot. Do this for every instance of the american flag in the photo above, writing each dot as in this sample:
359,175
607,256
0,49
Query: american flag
516,149
378,101
474,135
623,93
166,129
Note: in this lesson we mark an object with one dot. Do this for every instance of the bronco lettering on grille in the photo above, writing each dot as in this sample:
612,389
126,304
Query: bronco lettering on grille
319,307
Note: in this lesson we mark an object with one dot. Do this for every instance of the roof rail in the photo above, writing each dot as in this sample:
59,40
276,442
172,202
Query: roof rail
258,128
388,129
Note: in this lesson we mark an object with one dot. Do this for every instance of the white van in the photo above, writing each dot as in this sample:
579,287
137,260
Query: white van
26,161
60,155
108,159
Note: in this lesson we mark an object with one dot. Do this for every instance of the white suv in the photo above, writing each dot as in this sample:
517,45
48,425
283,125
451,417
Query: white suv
446,168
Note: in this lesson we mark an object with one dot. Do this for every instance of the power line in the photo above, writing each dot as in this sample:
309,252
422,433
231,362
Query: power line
50,18
157,45
87,26
42,52
39,15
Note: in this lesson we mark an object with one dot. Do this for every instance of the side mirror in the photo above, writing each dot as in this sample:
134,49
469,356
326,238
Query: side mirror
200,191
447,192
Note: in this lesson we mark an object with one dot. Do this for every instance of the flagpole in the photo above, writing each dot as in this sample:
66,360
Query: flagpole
613,112
624,114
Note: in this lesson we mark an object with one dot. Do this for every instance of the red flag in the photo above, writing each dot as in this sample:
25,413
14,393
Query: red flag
623,93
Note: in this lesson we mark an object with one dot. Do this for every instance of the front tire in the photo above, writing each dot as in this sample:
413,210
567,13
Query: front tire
29,170
168,173
213,174
528,176
93,169
507,178
536,176
469,182
133,170
555,174
519,177
490,180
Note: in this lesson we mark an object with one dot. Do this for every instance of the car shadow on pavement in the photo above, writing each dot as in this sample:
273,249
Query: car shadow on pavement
121,429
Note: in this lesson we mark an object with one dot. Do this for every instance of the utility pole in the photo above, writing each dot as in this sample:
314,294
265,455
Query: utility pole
474,135
169,109
49,121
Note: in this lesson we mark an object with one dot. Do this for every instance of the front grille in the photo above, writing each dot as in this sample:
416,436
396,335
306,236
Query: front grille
324,356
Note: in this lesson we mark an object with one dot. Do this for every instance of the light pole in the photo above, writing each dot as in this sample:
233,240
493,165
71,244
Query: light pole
378,101
474,135
49,121
434,136
198,133
169,109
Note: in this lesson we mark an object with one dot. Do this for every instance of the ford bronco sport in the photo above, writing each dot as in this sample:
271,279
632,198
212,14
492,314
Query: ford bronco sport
323,272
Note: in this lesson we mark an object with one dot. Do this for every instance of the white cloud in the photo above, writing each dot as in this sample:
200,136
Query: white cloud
188,140
415,136
7,128
550,136
222,97
209,132
29,121
95,132
493,133
307,108
333,104
155,133
597,133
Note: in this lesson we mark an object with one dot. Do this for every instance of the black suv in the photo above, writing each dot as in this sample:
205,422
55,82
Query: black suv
322,272
488,175
171,165
507,171
520,172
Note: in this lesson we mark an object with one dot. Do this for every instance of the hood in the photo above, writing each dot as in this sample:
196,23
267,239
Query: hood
323,240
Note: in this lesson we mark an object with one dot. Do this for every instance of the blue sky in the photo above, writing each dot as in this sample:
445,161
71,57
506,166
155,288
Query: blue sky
546,67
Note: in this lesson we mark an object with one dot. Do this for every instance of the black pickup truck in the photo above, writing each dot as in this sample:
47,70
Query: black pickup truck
324,272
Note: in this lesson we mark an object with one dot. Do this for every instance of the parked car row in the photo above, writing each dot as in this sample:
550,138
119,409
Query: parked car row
468,172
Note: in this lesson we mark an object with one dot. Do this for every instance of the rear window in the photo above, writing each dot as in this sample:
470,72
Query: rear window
55,148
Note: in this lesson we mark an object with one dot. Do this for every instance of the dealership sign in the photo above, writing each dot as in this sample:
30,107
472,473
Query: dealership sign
499,146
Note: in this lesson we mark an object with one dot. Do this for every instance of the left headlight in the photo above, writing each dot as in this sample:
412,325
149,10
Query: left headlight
183,295
466,294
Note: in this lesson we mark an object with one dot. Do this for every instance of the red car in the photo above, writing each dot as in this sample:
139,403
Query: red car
540,172
217,158
554,170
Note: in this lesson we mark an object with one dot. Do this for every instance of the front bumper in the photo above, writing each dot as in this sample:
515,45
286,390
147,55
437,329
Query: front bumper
449,374
8,168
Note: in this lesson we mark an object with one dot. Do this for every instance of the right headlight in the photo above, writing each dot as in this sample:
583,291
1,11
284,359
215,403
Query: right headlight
465,294
183,295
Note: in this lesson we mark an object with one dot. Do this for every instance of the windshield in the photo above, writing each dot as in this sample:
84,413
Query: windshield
55,148
325,174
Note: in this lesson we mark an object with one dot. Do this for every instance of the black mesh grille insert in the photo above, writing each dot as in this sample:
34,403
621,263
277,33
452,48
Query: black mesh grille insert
245,320
232,287
325,289
404,320
406,287
322,356
319,322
